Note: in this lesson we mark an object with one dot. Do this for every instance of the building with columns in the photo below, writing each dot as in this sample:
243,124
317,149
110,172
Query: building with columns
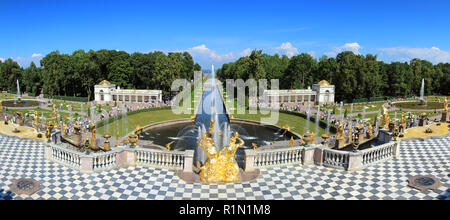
106,92
321,93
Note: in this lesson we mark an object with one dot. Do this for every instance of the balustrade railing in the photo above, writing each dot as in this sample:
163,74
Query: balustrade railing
158,158
65,156
378,153
335,158
277,157
103,161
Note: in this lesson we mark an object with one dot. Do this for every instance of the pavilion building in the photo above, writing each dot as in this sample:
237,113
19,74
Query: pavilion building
321,93
106,92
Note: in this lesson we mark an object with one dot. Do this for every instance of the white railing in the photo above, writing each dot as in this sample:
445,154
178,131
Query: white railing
159,158
378,153
335,158
65,156
104,161
277,157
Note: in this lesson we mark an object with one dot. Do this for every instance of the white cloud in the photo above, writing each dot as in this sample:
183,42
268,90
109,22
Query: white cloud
245,52
432,54
2,59
287,48
36,55
312,53
354,47
206,53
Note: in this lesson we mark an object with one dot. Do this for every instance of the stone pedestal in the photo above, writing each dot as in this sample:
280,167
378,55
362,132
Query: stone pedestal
339,144
308,155
444,116
77,139
188,161
397,150
318,156
87,164
384,136
249,160
355,162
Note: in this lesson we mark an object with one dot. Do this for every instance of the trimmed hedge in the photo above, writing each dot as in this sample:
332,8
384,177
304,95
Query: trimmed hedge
67,98
373,99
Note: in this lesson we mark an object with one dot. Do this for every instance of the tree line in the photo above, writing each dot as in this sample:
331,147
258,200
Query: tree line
354,76
76,74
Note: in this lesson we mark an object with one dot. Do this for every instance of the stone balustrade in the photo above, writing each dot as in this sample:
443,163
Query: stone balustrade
278,157
379,153
119,157
158,158
320,155
254,159
335,158
63,156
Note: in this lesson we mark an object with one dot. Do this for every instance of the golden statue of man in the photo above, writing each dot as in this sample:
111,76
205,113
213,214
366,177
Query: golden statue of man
340,132
231,168
385,120
369,127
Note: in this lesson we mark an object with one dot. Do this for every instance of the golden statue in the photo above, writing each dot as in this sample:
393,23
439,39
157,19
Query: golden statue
93,132
369,127
313,136
255,146
291,142
231,173
63,129
168,145
54,115
286,127
138,127
340,132
117,139
385,121
222,166
350,136
211,126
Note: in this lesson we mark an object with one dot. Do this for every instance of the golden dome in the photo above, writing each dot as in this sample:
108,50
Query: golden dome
105,83
323,83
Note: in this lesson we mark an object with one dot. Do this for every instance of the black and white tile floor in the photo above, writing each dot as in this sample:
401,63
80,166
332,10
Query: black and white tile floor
387,180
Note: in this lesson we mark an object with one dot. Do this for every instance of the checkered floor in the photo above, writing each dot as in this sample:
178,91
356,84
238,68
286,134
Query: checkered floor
388,180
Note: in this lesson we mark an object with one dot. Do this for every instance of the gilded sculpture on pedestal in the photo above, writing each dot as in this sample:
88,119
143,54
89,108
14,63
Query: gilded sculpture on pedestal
219,166
385,121
369,128
340,132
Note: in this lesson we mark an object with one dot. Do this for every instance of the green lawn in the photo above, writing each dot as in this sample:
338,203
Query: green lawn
142,119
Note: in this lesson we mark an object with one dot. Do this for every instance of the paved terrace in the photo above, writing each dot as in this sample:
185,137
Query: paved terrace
388,180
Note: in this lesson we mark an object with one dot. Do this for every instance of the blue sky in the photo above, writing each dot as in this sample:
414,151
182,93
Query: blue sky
217,31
